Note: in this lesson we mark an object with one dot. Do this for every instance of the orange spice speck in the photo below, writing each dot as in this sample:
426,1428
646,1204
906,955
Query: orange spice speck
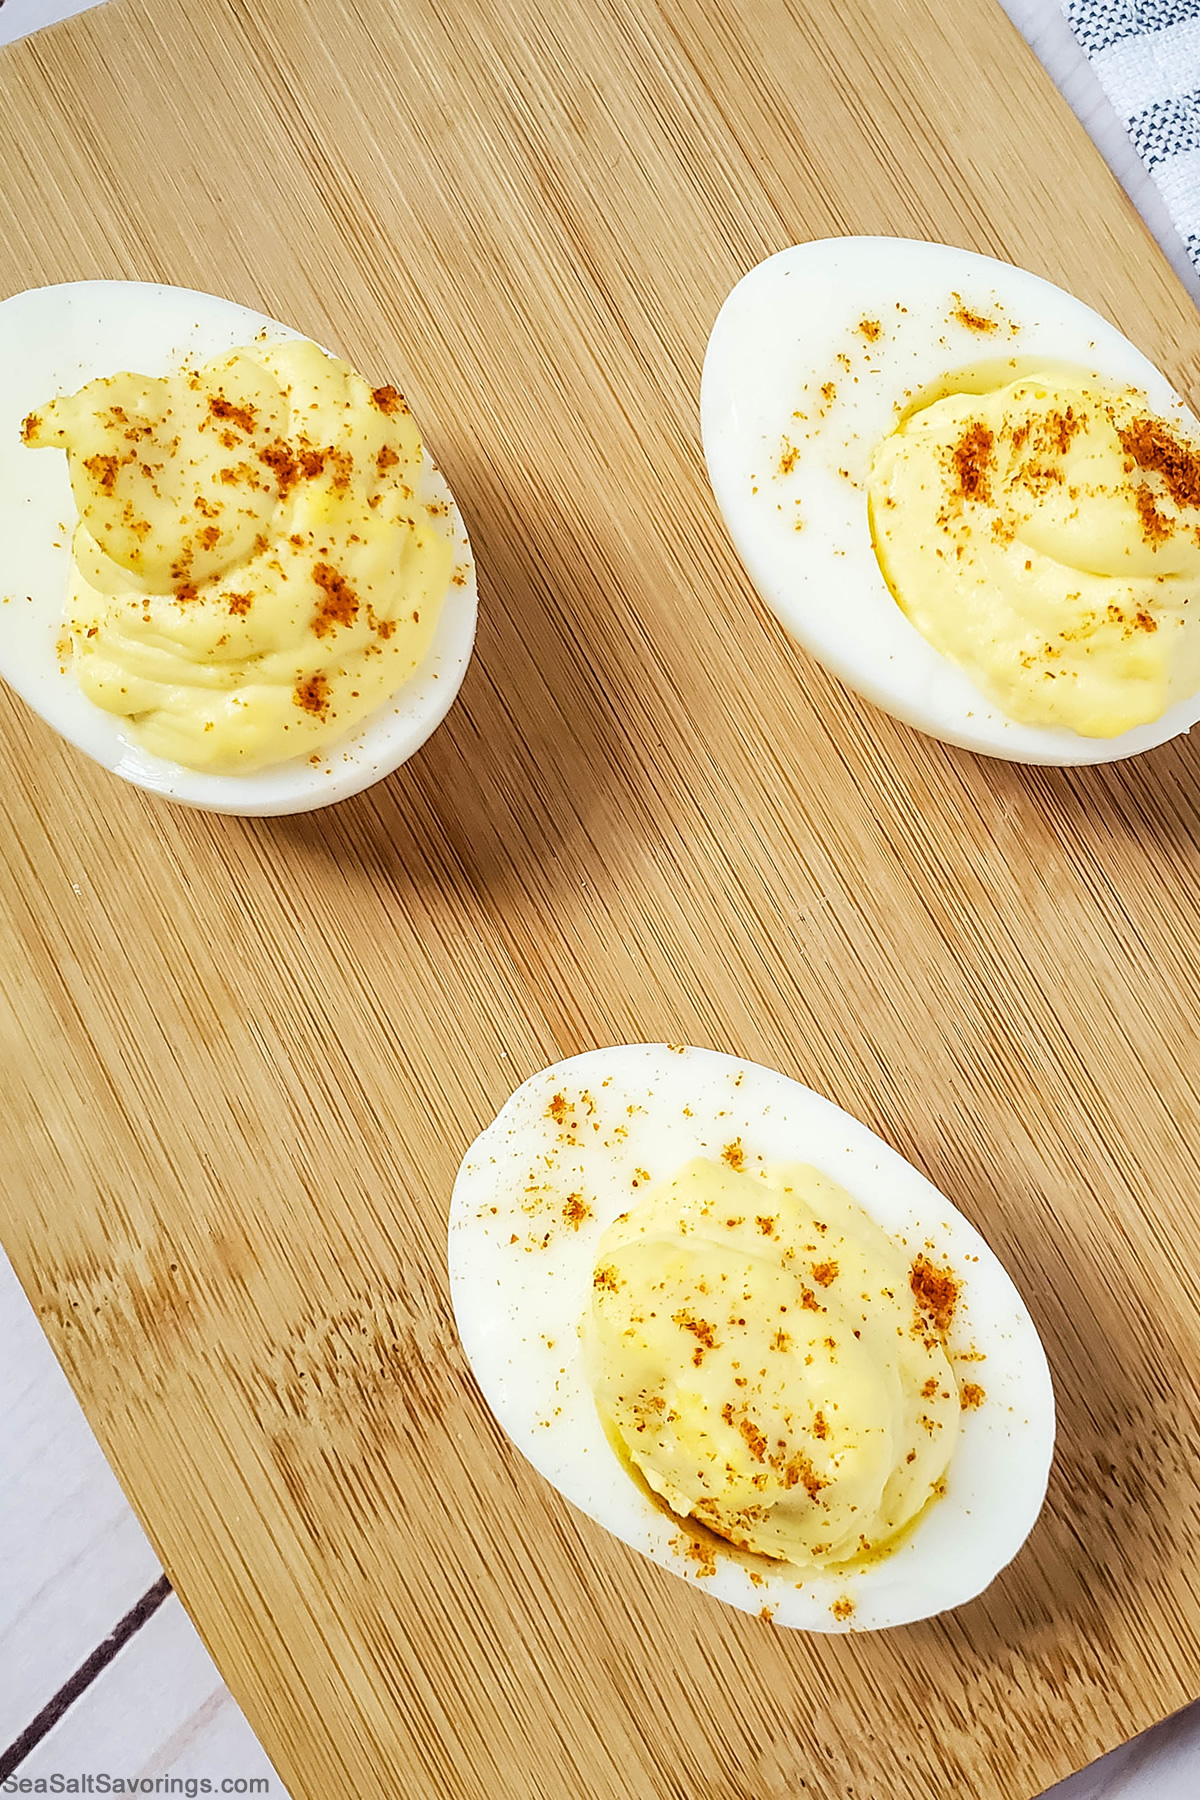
972,320
576,1210
936,1291
312,696
340,603
389,400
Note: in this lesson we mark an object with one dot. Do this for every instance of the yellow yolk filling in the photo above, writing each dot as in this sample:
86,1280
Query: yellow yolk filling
1045,536
252,572
758,1355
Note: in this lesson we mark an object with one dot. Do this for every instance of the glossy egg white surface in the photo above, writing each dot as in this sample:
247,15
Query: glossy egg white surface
521,1282
52,341
788,462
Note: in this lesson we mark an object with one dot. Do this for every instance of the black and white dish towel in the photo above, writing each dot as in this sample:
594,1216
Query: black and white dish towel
1146,55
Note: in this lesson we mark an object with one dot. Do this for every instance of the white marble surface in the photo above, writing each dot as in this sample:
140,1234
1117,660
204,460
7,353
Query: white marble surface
18,18
74,1557
159,1709
73,1560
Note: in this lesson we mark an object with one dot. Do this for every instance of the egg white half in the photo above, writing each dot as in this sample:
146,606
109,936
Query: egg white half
54,339
775,345
519,1303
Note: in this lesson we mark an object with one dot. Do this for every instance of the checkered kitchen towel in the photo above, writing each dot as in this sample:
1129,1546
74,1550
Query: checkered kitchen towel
1146,54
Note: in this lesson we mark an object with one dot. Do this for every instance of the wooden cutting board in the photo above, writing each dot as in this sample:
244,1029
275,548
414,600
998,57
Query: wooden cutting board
241,1061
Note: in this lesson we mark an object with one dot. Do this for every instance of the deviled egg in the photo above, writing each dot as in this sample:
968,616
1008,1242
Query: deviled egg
965,492
732,1326
245,585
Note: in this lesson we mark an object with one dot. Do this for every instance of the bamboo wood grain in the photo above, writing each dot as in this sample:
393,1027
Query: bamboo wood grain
241,1061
